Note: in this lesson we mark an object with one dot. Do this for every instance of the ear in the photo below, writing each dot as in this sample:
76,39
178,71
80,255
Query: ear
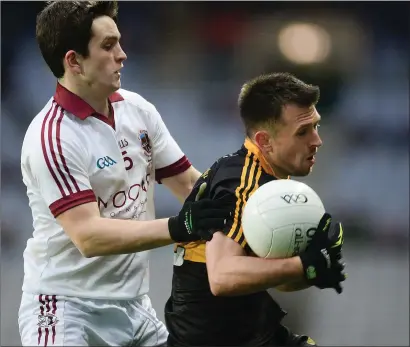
73,62
262,139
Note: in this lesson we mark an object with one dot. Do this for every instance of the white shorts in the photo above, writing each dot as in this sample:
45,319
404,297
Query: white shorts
50,320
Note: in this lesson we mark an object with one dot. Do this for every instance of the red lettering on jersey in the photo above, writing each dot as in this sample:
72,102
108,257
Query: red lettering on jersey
120,198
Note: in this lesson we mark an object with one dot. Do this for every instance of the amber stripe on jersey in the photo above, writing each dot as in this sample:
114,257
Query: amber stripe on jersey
249,180
254,184
238,193
239,237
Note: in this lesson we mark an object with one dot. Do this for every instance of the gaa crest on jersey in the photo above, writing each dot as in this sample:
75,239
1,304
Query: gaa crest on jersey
145,142
47,320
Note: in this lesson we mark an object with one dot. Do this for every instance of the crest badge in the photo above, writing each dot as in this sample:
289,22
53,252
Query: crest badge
47,320
145,142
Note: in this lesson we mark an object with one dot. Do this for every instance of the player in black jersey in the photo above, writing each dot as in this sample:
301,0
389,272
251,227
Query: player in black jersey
219,295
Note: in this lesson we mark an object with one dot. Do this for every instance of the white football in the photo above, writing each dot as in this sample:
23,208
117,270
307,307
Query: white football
280,218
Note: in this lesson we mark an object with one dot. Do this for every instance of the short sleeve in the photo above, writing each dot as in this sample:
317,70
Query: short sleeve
169,160
238,181
54,162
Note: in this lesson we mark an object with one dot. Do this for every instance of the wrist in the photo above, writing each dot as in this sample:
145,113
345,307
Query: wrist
295,269
173,227
313,264
305,262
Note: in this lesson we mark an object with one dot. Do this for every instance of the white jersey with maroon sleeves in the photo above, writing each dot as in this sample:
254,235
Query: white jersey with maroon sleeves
71,156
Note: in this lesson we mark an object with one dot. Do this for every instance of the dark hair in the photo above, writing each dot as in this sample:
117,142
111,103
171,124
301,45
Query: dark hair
261,99
66,25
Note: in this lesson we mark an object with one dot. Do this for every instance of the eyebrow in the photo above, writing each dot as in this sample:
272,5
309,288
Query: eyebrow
310,123
112,37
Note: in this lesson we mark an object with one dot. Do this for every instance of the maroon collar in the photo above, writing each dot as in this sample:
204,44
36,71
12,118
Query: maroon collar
77,106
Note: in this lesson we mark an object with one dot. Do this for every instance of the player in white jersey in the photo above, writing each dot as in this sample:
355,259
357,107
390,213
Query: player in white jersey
89,160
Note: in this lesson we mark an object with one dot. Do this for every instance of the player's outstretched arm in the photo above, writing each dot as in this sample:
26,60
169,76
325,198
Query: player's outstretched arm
181,185
97,236
231,272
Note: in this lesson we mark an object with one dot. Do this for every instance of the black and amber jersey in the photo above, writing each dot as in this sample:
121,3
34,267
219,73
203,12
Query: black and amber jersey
194,316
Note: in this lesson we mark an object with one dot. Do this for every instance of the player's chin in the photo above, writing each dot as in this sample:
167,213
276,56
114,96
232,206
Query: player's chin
115,86
117,83
309,167
303,171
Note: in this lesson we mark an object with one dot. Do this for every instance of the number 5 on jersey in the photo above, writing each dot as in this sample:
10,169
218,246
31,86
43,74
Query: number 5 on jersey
127,160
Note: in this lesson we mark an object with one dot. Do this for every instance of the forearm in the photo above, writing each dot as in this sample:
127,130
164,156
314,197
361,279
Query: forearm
181,185
240,275
103,236
293,286
194,175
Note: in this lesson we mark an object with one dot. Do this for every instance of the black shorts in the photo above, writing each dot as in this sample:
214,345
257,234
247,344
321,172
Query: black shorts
283,337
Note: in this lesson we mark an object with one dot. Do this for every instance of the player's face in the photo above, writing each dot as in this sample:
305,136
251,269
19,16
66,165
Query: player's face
100,70
296,141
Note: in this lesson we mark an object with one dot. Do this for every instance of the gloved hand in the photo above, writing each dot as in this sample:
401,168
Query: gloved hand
336,239
199,219
323,267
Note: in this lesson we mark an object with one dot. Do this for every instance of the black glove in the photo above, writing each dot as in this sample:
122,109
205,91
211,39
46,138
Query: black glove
322,267
336,240
198,220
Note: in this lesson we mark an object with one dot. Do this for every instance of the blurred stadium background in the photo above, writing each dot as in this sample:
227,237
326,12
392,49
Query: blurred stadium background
190,60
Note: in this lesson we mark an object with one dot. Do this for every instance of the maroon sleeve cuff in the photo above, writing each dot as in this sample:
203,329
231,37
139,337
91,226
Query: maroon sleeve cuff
72,200
176,168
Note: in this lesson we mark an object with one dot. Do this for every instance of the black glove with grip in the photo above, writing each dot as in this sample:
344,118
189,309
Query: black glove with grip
198,220
323,267
336,240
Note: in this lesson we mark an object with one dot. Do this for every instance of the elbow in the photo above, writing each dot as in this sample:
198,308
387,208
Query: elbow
85,239
218,286
87,253
85,249
85,245
216,289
